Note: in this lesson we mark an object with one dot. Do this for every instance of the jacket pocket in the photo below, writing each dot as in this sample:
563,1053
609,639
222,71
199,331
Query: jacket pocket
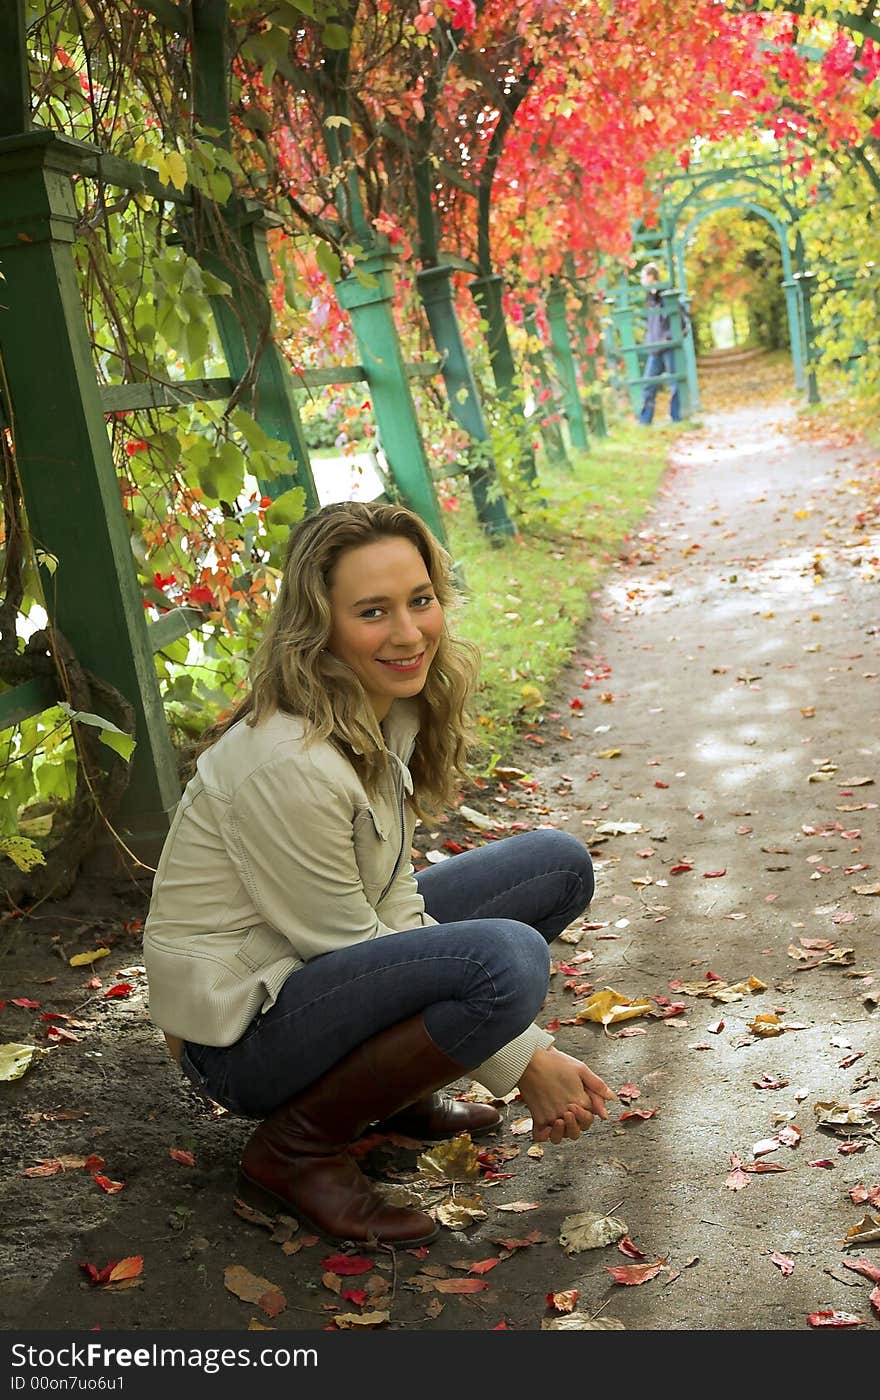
261,946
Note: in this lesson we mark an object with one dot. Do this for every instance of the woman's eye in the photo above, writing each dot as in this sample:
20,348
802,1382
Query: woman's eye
370,613
424,601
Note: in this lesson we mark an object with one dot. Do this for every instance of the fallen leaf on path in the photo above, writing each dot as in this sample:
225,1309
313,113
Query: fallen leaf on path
565,1301
830,1317
15,1059
618,828
864,1267
736,1180
482,1266
581,1322
784,1265
867,889
345,1321
451,1285
86,959
585,1230
606,1007
846,1149
460,1211
867,1229
128,1268
111,1187
713,874
766,1024
845,1119
455,1160
182,1156
631,1250
821,1162
859,1194
347,1265
641,1113
516,1207
767,1081
634,1273
251,1288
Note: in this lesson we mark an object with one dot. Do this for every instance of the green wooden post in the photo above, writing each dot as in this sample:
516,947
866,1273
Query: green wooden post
15,97
549,424
565,366
672,305
438,297
368,298
231,243
806,282
63,452
623,317
487,292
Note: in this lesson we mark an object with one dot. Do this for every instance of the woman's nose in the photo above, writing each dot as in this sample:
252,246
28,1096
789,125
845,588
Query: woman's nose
404,628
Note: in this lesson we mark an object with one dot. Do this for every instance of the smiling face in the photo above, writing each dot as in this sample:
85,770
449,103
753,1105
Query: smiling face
386,620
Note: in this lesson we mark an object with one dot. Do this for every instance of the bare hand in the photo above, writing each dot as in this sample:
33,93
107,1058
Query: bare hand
563,1095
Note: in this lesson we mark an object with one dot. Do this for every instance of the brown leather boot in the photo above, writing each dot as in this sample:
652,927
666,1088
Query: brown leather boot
436,1116
296,1160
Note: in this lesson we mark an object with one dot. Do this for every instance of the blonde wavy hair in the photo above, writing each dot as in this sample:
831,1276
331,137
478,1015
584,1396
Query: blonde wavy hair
291,670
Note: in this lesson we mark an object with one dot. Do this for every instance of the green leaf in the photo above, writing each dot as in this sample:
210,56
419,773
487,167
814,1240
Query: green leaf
22,852
120,743
110,734
288,508
328,261
335,36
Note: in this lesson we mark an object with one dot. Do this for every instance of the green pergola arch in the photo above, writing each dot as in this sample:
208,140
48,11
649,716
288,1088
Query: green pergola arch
768,199
793,287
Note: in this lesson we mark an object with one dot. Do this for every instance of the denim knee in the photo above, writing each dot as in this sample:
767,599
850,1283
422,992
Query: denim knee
519,960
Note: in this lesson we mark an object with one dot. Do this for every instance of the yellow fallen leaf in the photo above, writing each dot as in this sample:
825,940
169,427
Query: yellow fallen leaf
86,959
455,1160
608,1006
15,1059
364,1319
609,753
766,1025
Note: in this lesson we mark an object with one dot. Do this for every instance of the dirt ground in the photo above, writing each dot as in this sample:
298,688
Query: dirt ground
725,699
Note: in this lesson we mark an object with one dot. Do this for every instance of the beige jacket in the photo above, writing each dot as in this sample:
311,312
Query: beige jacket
277,854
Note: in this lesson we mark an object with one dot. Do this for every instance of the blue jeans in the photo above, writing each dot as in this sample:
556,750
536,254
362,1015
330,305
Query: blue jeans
659,362
479,976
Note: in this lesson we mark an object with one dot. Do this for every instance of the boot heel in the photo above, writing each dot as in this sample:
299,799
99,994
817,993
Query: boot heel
259,1198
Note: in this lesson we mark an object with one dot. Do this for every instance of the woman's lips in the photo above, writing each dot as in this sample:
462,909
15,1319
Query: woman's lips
405,665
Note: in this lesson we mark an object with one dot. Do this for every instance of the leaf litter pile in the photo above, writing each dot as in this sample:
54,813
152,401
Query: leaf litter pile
585,1235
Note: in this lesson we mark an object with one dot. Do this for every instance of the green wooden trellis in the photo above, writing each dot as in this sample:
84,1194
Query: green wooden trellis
688,198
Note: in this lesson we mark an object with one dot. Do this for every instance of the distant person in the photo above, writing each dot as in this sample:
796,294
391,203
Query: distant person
658,361
303,974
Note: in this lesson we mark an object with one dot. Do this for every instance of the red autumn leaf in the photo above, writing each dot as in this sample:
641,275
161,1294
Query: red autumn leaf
47,1166
347,1264
785,1266
680,868
26,1003
715,1029
552,1025
576,704
93,984
768,1082
629,1091
58,1033
94,1163
851,1059
790,1136
736,1179
54,1016
634,1273
821,1162
131,1267
454,847
759,1167
533,1237
179,1154
98,1276
713,874
860,1194
500,1327
673,1008
857,1145
483,1266
121,989
863,1267
659,784
631,1250
358,1296
874,1299
111,1187
830,1317
713,977
641,1113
